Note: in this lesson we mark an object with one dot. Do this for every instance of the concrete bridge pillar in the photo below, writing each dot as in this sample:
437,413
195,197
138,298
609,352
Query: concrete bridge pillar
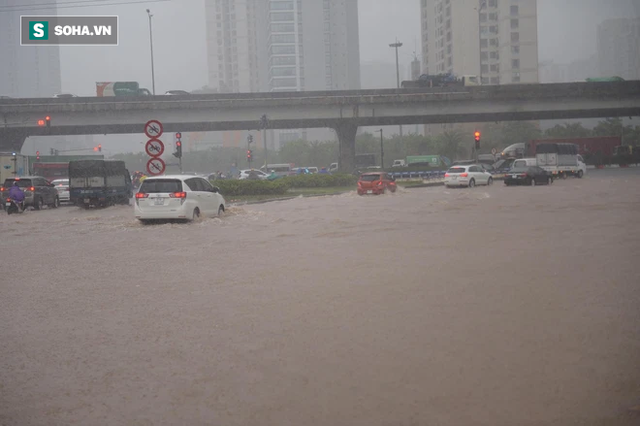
346,132
11,140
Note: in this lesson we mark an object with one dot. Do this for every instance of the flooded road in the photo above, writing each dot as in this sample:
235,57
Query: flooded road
491,306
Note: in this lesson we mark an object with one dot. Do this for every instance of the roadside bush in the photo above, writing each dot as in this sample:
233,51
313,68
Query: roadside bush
235,187
319,180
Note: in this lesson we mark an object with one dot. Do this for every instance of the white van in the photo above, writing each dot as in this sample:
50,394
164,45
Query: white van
524,162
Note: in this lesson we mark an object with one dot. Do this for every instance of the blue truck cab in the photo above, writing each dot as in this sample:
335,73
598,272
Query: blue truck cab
99,183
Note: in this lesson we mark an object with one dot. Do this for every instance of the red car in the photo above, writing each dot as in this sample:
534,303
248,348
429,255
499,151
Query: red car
375,183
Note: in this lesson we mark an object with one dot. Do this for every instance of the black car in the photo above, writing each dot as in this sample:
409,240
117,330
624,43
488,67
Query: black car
532,175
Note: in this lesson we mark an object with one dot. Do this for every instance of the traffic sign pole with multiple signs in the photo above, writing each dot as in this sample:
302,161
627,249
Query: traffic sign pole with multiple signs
154,148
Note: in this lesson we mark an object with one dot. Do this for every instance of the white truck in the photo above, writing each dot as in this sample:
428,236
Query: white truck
13,165
561,159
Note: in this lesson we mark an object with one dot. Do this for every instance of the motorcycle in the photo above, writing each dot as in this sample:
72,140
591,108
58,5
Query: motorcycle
13,206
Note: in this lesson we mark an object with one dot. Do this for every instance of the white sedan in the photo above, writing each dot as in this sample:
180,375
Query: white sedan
244,174
177,197
62,186
467,175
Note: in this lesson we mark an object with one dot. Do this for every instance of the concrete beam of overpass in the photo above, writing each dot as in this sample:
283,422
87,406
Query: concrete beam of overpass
324,109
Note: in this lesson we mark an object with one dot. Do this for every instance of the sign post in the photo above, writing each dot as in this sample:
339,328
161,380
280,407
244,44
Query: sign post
154,147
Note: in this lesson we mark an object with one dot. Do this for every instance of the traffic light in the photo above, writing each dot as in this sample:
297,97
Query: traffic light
249,156
95,149
37,155
250,139
52,151
47,119
41,123
477,136
178,153
99,148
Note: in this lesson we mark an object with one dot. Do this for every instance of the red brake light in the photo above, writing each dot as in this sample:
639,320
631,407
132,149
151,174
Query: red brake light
141,195
178,195
446,175
32,189
464,175
1,188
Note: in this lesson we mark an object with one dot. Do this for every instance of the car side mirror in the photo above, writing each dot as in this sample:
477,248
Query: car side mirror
215,189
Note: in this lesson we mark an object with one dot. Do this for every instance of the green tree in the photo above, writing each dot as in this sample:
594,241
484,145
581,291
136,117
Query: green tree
567,130
451,145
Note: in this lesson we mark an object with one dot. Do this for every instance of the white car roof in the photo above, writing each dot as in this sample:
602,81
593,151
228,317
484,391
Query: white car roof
178,177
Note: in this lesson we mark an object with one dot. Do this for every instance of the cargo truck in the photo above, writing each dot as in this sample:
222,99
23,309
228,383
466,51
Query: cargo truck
99,183
441,80
12,165
120,88
560,159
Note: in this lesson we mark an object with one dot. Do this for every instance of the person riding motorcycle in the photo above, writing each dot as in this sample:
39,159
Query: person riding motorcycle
16,193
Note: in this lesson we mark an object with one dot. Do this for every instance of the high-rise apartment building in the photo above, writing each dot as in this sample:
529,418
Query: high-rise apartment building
232,45
283,45
619,48
25,71
495,39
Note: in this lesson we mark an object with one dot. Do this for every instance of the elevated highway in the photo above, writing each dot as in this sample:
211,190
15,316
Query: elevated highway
343,111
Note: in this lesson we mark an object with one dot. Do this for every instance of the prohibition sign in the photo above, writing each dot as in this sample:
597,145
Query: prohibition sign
154,148
155,166
153,129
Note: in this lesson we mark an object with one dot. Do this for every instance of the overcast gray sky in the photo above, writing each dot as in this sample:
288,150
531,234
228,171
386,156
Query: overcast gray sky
567,31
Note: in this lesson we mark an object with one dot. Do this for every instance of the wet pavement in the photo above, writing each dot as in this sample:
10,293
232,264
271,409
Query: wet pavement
432,306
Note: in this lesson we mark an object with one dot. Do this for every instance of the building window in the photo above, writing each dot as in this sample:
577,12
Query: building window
514,10
485,68
495,80
515,63
515,78
484,42
494,68
484,56
515,49
493,16
493,3
493,29
494,55
483,17
515,23
493,42
515,37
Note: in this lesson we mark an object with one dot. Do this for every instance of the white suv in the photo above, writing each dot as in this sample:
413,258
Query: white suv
177,197
467,175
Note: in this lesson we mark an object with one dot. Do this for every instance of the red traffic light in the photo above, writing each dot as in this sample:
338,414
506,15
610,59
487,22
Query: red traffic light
178,143
47,118
40,122
477,135
95,148
100,148
178,135
37,155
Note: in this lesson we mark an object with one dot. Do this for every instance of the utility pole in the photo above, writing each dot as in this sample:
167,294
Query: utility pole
397,45
153,75
381,150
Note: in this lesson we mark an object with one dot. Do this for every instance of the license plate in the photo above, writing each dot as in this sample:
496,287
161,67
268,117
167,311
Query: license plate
514,176
8,204
87,200
369,192
159,202
454,178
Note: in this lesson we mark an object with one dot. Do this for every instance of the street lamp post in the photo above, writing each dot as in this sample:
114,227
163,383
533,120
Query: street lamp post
381,150
153,75
397,45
